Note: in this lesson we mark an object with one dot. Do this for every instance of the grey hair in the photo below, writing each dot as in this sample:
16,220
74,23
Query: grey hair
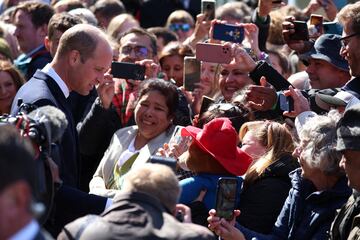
319,134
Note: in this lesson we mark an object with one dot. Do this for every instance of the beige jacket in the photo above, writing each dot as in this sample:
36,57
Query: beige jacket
119,143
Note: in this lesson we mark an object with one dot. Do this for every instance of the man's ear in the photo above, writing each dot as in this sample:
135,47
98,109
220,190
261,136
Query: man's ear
74,57
43,30
47,43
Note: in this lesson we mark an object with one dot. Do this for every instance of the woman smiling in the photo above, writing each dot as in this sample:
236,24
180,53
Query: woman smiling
154,113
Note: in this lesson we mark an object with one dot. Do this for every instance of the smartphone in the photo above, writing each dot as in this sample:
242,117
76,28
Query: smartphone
229,32
301,31
317,22
213,53
205,103
127,70
181,141
192,69
332,28
226,197
286,103
208,8
170,162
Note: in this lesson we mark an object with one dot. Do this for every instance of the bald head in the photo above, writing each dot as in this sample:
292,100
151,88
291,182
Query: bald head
84,38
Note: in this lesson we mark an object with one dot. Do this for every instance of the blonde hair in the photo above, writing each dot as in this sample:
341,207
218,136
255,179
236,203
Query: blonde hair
180,16
116,25
277,140
156,180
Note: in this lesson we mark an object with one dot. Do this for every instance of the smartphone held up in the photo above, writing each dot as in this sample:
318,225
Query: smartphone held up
128,70
229,32
228,189
192,69
208,9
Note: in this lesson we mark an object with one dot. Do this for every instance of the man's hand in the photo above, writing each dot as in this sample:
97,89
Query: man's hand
105,90
262,97
301,104
241,58
223,228
151,68
185,211
288,29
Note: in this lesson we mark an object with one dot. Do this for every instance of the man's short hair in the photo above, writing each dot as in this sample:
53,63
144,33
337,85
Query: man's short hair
156,180
81,39
16,158
40,13
141,31
162,32
62,22
350,13
108,8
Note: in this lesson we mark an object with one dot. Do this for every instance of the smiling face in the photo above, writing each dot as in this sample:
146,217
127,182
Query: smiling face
351,50
252,146
323,74
85,75
152,115
7,92
231,80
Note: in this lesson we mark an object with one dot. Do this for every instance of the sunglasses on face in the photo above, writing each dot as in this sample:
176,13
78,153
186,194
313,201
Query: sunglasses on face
140,51
185,27
345,40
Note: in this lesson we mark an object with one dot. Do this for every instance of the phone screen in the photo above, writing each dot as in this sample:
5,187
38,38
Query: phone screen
229,32
127,70
191,73
208,8
226,197
286,103
317,22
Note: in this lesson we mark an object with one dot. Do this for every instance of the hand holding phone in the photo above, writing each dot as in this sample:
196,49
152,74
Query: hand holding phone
300,31
226,197
127,70
286,103
208,9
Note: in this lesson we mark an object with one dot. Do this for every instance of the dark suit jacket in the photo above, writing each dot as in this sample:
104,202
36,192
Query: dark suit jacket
42,90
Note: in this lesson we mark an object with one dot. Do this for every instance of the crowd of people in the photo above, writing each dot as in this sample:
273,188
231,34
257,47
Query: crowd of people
280,118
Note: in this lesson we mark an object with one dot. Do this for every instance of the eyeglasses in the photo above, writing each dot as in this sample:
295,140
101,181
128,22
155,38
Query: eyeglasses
345,42
140,51
185,27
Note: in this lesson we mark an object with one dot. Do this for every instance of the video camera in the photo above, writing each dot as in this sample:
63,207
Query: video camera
44,126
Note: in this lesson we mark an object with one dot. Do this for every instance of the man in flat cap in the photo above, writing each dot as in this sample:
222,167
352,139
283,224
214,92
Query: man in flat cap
347,223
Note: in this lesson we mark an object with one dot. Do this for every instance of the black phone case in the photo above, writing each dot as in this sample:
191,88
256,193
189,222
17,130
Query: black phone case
220,195
229,33
272,76
301,31
128,70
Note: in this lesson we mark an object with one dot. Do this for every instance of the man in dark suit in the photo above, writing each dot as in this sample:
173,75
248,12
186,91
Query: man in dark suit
81,61
17,185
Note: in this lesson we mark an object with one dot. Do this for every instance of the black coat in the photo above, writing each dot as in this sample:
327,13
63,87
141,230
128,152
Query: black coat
262,201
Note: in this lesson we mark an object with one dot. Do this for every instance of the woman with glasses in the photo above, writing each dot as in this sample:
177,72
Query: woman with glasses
182,23
319,188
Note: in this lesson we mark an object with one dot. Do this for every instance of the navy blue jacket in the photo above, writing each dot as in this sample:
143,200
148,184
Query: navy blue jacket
307,213
42,90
